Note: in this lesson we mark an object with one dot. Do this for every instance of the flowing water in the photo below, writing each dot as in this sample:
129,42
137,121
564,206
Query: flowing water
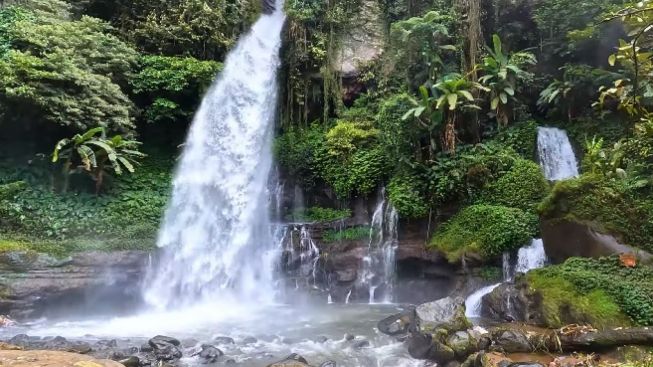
556,154
531,257
216,234
378,269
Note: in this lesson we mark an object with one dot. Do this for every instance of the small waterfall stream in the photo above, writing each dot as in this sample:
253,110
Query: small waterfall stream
216,237
378,269
556,154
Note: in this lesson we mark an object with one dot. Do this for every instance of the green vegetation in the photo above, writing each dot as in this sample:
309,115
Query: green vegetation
601,292
523,187
610,205
347,234
318,214
484,230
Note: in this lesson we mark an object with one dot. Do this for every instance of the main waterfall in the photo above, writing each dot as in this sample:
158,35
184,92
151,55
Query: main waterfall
216,236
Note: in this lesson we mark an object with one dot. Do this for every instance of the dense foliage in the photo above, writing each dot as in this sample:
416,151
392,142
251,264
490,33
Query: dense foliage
484,230
593,288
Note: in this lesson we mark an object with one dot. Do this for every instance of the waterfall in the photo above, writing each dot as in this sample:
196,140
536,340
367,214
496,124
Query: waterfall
473,303
379,265
556,154
531,257
216,236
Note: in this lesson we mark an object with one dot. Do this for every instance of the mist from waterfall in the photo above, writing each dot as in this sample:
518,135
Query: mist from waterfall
216,234
556,154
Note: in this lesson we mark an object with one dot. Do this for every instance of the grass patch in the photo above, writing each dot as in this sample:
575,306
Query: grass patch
318,214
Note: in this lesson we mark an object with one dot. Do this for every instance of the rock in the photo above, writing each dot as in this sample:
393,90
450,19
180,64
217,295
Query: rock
529,364
293,360
268,6
21,340
189,342
165,348
361,344
328,364
364,42
511,341
349,337
321,339
34,285
230,361
209,354
146,348
453,364
564,239
423,346
462,343
493,359
132,361
398,324
249,340
103,344
446,313
20,358
224,340
288,341
346,275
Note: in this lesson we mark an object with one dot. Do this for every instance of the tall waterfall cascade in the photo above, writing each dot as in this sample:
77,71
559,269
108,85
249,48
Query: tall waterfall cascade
378,270
216,234
556,154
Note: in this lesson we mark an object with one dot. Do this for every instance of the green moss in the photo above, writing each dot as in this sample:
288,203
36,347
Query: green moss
484,230
348,234
589,289
608,205
562,303
523,187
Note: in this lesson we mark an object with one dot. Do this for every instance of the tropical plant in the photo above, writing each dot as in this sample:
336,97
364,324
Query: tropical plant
92,152
502,74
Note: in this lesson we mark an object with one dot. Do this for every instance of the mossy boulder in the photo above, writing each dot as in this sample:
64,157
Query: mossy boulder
446,314
484,232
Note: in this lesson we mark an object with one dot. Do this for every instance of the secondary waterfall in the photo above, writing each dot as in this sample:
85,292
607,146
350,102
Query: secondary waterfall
531,257
379,264
556,154
216,234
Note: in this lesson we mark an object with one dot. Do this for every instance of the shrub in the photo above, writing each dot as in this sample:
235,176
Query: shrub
405,196
521,137
629,288
484,230
318,214
523,187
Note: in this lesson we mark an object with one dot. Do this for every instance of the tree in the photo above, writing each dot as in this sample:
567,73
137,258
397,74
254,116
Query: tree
501,75
59,72
94,153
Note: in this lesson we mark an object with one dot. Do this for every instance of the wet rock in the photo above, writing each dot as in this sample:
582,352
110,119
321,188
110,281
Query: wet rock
321,339
328,364
189,343
165,348
80,347
132,361
249,340
349,337
424,346
224,340
230,362
493,360
103,344
512,341
529,364
462,343
293,360
453,364
146,348
361,344
398,324
346,275
446,313
209,354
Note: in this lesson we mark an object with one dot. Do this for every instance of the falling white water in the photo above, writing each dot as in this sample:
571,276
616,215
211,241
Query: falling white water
379,265
473,303
531,257
348,296
556,155
216,231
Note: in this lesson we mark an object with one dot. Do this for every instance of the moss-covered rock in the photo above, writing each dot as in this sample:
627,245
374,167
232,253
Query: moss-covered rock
484,231
611,206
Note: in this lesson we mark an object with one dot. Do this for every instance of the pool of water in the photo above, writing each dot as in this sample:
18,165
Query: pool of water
279,330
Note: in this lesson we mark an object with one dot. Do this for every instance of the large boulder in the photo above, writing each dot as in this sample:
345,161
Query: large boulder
446,313
398,324
165,348
293,360
426,346
564,239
